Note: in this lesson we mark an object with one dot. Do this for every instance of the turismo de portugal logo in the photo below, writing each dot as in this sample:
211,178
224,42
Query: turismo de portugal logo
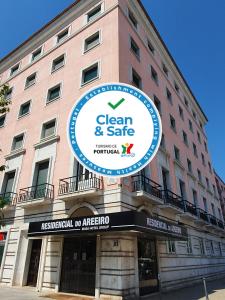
114,130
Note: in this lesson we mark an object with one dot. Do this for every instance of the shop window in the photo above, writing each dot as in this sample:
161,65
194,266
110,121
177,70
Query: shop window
171,247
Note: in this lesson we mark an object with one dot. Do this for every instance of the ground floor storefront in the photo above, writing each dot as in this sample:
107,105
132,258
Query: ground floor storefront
111,256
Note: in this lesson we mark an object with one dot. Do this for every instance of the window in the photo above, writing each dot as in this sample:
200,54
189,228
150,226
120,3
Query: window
199,137
194,114
30,80
190,125
58,63
205,145
189,164
203,159
8,95
189,246
150,47
40,178
8,182
94,13
154,75
89,74
214,189
176,153
48,129
213,209
162,143
205,204
24,109
36,54
219,213
186,102
157,104
17,142
195,150
169,95
220,249
211,247
165,69
2,121
165,179
185,139
171,246
176,87
195,198
182,189
210,167
134,48
172,123
207,183
132,19
92,41
181,112
54,93
199,175
14,70
200,124
62,35
201,246
136,79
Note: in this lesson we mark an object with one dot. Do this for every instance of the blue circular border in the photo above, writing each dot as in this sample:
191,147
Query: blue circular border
156,134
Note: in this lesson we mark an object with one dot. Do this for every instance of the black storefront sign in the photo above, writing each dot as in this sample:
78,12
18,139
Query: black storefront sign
121,221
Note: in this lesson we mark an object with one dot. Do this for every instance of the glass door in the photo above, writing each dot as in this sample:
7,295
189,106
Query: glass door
147,265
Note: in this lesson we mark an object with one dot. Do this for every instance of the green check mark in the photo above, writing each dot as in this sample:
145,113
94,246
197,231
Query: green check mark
114,106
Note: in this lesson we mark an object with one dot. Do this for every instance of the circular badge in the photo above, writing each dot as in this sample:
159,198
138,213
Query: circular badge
114,130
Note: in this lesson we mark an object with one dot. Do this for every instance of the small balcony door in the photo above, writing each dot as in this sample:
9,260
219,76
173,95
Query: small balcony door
40,179
82,178
8,185
165,179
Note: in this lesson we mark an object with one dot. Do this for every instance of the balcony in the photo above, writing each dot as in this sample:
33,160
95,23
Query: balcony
190,210
145,188
172,201
10,200
75,187
212,220
36,195
202,217
220,224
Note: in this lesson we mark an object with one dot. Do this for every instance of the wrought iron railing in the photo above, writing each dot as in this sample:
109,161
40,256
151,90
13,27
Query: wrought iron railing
143,183
9,197
44,190
173,199
79,183
212,219
190,208
202,214
220,224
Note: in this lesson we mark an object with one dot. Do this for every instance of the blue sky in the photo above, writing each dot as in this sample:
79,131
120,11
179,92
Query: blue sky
194,32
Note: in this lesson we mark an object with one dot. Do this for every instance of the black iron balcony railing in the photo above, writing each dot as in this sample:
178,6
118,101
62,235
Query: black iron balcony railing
143,183
44,190
9,197
202,215
79,183
190,208
220,224
173,199
212,219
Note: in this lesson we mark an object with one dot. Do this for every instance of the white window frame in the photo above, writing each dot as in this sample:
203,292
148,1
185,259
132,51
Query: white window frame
47,102
53,71
99,31
98,62
21,116
3,115
22,146
60,32
19,66
27,87
31,55
102,4
47,122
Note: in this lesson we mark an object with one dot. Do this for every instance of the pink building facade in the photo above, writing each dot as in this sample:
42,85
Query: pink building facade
90,43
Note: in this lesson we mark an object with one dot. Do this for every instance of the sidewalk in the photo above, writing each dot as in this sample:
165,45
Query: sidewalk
216,291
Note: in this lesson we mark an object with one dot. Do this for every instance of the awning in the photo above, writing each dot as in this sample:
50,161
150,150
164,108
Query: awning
121,221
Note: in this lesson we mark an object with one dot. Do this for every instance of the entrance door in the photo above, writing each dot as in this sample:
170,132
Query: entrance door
147,265
34,263
78,266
